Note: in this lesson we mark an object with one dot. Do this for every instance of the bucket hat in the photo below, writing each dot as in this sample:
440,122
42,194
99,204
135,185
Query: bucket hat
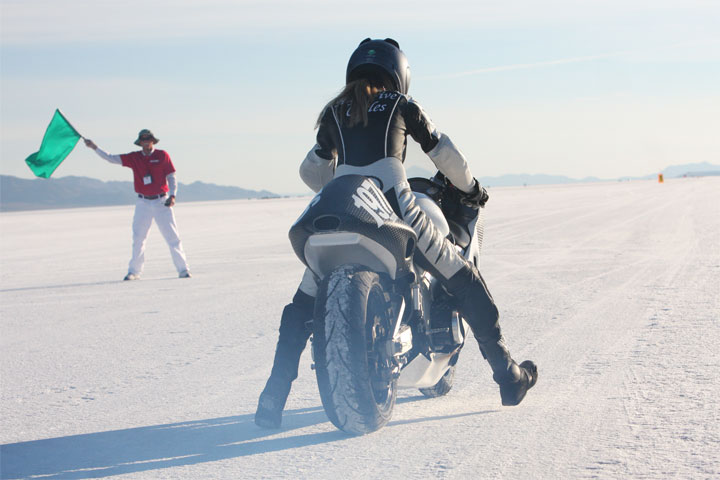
145,133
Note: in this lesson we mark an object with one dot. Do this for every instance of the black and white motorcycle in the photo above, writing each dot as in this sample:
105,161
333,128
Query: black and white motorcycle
381,323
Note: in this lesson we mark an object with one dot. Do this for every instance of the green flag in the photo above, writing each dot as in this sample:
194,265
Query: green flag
59,140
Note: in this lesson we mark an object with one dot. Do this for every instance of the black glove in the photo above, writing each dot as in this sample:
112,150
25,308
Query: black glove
170,201
477,197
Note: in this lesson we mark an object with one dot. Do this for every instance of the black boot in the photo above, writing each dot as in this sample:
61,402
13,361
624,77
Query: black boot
272,403
294,333
513,392
514,380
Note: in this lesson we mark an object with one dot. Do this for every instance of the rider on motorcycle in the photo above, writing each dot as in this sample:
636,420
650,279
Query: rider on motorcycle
363,131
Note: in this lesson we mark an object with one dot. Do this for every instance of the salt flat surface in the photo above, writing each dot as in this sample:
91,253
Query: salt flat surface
612,288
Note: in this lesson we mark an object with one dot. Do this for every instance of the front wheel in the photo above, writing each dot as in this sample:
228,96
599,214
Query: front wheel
352,327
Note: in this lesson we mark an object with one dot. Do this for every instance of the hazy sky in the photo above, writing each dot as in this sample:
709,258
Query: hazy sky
232,88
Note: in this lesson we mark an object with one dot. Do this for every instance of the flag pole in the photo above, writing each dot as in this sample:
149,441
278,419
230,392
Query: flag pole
68,122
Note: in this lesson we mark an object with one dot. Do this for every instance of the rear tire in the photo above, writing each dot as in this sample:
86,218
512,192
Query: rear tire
353,323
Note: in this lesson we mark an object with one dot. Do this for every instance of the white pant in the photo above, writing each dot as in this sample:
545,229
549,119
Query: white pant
145,212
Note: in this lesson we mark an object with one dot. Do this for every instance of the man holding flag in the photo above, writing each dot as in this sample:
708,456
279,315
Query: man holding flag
154,179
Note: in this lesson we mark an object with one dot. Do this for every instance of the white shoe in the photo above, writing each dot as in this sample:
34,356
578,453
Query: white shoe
131,276
185,274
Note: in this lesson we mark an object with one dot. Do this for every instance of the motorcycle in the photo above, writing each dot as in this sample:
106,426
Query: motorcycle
381,322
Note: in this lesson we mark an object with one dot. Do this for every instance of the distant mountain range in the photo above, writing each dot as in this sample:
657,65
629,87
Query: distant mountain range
689,170
70,192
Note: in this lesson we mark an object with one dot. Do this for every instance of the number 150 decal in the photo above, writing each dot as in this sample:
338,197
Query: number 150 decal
369,198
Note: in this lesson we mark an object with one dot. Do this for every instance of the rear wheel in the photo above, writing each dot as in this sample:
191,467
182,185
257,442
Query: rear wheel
351,330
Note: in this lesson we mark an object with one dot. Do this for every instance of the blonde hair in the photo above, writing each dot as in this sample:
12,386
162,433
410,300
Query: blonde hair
357,95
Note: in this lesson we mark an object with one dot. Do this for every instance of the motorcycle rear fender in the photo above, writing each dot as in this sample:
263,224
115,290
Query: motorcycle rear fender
325,252
350,221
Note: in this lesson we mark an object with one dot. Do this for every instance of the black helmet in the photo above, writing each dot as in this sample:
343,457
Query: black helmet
380,56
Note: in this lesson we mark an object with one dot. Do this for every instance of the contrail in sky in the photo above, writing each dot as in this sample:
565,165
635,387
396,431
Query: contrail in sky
524,66
562,61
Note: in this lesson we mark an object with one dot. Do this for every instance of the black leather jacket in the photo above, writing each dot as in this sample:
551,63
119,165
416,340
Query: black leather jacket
392,116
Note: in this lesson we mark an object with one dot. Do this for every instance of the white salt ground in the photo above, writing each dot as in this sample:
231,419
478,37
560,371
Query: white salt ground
612,288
